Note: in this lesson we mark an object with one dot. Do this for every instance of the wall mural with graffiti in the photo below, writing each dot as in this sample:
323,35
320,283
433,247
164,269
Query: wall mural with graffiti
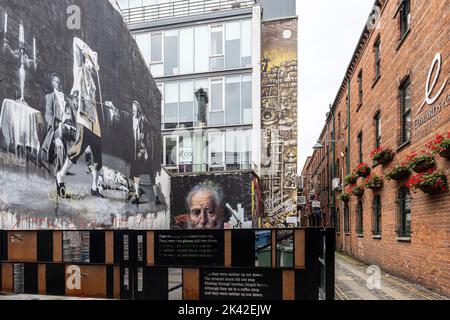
80,117
215,201
279,120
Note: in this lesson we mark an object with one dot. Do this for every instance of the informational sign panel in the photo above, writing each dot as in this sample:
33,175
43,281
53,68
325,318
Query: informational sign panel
315,204
234,284
196,248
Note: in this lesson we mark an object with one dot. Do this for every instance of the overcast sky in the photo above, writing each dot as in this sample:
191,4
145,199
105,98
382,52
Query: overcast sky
328,33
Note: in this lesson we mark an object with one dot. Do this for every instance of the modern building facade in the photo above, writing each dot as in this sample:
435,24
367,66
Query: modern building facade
394,95
228,76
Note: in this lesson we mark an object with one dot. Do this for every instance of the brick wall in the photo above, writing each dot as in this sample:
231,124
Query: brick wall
425,257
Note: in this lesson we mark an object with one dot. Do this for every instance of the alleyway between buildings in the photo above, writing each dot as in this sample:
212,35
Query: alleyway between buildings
351,283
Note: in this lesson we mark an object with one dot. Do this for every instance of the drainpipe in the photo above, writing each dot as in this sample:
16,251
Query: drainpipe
333,164
348,152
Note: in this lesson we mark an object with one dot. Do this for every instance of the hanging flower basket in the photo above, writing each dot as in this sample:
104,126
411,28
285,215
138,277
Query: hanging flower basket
350,179
382,155
422,162
358,191
374,182
430,182
400,172
440,145
362,170
344,196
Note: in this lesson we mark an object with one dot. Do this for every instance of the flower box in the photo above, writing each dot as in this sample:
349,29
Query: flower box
440,145
430,182
358,191
362,170
374,182
382,155
350,179
344,196
421,162
400,172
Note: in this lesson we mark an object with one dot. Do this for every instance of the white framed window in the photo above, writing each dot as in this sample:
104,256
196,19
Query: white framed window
246,48
216,48
186,50
202,48
233,44
143,42
171,151
217,90
216,147
160,86
171,52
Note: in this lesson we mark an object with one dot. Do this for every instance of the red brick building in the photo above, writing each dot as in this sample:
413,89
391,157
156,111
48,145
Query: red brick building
394,94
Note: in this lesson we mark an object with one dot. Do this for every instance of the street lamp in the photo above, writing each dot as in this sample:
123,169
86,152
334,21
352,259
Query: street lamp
319,144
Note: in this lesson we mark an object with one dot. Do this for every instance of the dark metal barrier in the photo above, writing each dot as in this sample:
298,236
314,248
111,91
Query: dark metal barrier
288,264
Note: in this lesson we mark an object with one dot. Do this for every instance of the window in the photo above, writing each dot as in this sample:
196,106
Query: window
405,105
233,100
216,149
201,55
246,98
360,147
161,89
156,47
405,16
171,105
360,217
376,224
217,95
339,125
377,123
186,112
171,53
216,48
404,224
187,50
170,151
233,148
377,51
246,43
143,42
337,223
346,219
360,88
233,45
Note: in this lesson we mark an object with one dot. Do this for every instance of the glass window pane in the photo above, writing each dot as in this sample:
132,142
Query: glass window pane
246,43
247,149
171,151
123,4
171,104
216,148
156,47
233,45
186,103
185,153
216,63
187,50
143,41
246,99
233,147
204,84
217,95
217,40
171,52
233,100
135,3
201,49
157,70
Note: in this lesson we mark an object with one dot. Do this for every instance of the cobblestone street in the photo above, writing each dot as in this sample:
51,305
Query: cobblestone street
351,284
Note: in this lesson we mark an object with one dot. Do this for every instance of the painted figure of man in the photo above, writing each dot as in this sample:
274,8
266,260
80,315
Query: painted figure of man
88,126
205,208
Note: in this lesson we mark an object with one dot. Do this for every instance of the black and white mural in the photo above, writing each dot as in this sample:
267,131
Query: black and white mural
80,117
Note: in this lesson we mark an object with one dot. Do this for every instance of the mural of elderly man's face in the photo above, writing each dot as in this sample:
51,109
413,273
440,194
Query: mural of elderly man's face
204,212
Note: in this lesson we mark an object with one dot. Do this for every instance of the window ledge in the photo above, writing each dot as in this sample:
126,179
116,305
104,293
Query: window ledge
403,145
404,239
376,237
375,81
358,106
347,233
400,42
360,235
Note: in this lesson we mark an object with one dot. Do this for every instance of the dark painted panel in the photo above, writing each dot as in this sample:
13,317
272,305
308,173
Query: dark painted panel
55,281
312,249
31,278
45,246
97,246
156,283
3,245
110,282
243,248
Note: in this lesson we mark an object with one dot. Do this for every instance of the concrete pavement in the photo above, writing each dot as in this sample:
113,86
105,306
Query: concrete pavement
352,284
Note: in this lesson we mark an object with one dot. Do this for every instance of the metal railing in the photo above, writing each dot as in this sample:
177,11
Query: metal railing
205,167
181,8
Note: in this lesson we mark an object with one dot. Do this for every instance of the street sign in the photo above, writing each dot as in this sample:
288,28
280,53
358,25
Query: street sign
315,204
301,200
